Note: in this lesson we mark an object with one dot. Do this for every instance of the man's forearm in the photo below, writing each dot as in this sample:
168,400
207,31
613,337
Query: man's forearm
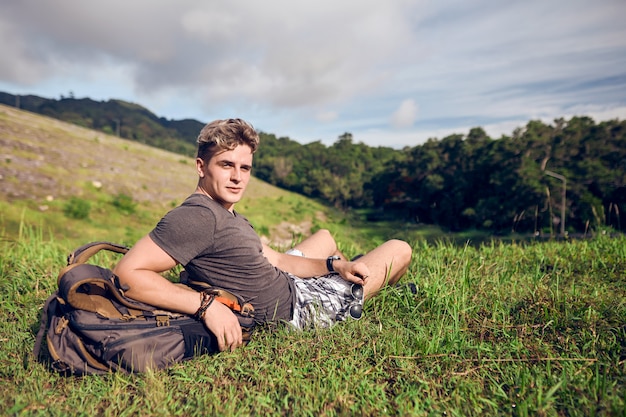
152,288
303,267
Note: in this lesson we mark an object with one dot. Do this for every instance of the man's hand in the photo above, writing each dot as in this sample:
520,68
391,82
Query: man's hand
356,272
223,323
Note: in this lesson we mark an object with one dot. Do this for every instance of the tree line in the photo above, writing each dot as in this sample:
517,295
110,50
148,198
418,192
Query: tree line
512,183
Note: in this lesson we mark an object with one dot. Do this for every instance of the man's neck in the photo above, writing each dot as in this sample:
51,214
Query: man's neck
200,191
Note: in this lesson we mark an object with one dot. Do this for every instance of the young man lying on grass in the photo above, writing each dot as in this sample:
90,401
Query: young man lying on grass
313,284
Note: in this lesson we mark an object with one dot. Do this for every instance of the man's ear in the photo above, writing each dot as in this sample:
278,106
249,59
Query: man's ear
200,167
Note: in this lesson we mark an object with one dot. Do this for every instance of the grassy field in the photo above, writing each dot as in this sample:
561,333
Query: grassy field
494,329
501,329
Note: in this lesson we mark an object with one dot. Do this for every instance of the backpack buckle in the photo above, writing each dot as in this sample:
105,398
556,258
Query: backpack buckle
62,324
162,321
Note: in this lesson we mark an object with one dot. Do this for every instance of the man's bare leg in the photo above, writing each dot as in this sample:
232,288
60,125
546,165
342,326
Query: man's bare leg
319,245
387,263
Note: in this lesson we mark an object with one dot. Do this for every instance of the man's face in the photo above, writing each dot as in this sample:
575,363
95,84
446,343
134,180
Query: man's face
226,176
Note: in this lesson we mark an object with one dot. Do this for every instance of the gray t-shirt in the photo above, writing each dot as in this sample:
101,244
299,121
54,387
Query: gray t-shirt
223,249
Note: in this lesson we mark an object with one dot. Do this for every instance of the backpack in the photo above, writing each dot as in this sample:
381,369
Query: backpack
90,327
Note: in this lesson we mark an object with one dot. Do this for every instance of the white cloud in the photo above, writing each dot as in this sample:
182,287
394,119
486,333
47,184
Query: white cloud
316,70
406,114
327,116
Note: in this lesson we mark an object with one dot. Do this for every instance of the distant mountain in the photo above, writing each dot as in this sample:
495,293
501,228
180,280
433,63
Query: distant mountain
116,117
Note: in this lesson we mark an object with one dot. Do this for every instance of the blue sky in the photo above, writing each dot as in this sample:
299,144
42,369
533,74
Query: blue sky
391,73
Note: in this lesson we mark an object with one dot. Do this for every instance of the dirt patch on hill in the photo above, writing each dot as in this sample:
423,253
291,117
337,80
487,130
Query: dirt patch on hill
42,157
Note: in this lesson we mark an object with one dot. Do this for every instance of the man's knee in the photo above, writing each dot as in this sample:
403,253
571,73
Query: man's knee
324,237
324,234
402,251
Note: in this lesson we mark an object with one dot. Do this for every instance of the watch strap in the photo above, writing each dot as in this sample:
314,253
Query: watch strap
329,263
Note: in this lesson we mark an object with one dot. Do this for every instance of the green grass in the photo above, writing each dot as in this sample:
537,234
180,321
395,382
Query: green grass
499,329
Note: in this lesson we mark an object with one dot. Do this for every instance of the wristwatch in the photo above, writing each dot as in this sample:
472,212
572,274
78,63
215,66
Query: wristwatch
329,262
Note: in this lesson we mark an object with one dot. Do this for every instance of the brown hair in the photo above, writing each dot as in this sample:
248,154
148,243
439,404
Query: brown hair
225,135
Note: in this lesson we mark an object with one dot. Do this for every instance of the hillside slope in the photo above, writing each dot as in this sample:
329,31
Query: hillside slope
127,120
46,157
44,163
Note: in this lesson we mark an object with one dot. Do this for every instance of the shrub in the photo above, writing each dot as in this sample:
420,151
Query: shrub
77,208
124,203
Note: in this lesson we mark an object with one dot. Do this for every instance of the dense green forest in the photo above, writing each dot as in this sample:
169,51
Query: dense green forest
510,184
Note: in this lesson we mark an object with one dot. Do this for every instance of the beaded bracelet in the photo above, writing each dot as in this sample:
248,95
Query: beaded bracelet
205,302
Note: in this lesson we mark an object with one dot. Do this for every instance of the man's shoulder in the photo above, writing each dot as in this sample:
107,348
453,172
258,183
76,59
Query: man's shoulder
206,204
200,200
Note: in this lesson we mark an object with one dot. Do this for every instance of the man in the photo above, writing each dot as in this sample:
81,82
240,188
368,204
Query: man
313,284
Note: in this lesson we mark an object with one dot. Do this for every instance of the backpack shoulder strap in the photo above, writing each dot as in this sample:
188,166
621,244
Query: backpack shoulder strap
83,253
90,287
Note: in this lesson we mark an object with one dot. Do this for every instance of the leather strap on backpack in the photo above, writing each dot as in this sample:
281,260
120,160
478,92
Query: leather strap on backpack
82,254
91,288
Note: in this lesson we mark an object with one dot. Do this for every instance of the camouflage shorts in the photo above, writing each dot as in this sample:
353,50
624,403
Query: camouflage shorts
323,301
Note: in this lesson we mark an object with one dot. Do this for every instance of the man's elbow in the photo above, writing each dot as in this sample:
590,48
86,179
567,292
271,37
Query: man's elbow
125,276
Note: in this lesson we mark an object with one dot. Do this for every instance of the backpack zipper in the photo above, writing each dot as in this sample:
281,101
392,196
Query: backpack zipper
126,325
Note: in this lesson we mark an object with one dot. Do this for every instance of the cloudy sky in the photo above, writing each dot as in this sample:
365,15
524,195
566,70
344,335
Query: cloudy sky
392,73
